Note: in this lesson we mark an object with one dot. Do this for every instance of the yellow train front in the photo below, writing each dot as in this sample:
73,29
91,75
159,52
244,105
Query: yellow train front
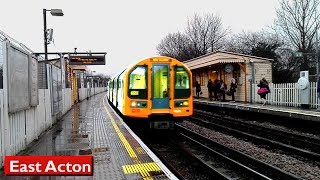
157,89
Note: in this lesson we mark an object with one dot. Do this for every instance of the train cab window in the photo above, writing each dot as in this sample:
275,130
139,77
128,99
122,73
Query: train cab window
138,83
181,83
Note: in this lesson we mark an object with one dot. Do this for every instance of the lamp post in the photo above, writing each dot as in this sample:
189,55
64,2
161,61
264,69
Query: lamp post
54,12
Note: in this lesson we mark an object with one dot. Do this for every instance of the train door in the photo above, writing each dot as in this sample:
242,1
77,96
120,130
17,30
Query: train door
160,86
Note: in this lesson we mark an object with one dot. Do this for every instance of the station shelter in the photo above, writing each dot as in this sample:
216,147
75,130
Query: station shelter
222,65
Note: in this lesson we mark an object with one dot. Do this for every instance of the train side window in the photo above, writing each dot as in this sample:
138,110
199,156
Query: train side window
181,83
138,83
119,83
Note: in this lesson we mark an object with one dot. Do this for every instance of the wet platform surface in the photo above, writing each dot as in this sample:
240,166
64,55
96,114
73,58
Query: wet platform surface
92,128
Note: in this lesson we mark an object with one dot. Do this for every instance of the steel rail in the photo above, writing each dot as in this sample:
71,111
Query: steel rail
260,140
304,139
221,171
255,164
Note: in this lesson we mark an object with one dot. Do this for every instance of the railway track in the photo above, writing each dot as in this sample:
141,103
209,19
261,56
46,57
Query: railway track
192,156
176,157
225,162
302,145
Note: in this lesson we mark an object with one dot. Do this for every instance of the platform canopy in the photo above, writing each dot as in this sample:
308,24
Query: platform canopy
222,57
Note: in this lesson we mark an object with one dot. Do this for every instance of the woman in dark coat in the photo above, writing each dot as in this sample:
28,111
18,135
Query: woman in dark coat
264,84
210,89
198,89
233,87
216,87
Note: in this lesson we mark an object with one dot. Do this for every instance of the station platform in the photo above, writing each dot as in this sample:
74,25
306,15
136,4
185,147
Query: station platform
291,112
93,128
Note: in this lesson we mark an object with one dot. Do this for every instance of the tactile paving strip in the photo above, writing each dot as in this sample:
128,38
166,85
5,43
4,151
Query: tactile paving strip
135,161
106,162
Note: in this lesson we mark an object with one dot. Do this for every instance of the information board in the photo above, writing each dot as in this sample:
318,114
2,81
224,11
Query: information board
87,60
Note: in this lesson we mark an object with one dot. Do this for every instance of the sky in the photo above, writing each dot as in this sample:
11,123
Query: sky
127,30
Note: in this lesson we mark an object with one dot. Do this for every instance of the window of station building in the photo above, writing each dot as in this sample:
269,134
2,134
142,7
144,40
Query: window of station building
181,83
236,74
194,80
202,82
138,83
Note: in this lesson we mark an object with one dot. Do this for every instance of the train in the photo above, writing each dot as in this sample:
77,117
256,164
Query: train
156,89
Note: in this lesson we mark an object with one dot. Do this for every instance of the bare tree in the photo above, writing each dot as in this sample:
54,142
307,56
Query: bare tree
176,45
298,22
285,67
246,42
202,35
206,34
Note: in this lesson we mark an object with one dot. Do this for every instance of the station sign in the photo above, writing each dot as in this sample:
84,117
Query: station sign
87,60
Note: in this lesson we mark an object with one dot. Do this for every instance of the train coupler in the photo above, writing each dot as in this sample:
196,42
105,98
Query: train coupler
161,125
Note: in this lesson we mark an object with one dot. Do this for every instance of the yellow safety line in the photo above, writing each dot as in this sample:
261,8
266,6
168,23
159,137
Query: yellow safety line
141,168
125,142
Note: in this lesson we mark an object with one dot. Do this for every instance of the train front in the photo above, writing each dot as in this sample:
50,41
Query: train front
159,90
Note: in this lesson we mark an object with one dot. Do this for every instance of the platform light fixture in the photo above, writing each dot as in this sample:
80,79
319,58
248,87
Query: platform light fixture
54,12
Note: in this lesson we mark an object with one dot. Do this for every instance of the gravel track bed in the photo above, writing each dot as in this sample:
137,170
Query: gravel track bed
287,163
279,127
270,125
179,162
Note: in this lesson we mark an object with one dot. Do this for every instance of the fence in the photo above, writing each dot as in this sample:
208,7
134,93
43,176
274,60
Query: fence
19,129
287,94
88,92
23,82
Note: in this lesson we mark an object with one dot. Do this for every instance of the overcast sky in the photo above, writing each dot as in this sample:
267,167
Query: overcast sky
127,30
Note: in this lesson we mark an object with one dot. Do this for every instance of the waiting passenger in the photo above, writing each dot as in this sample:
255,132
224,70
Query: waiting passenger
222,90
210,89
264,90
216,87
198,89
233,87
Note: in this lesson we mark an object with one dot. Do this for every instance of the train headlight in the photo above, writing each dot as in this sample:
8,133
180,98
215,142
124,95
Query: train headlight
133,104
138,104
181,103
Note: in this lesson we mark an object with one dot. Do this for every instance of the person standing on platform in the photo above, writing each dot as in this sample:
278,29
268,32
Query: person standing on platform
198,89
264,90
216,87
223,89
210,89
233,87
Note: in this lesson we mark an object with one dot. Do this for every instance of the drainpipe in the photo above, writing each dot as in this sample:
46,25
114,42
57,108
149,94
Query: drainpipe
251,82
